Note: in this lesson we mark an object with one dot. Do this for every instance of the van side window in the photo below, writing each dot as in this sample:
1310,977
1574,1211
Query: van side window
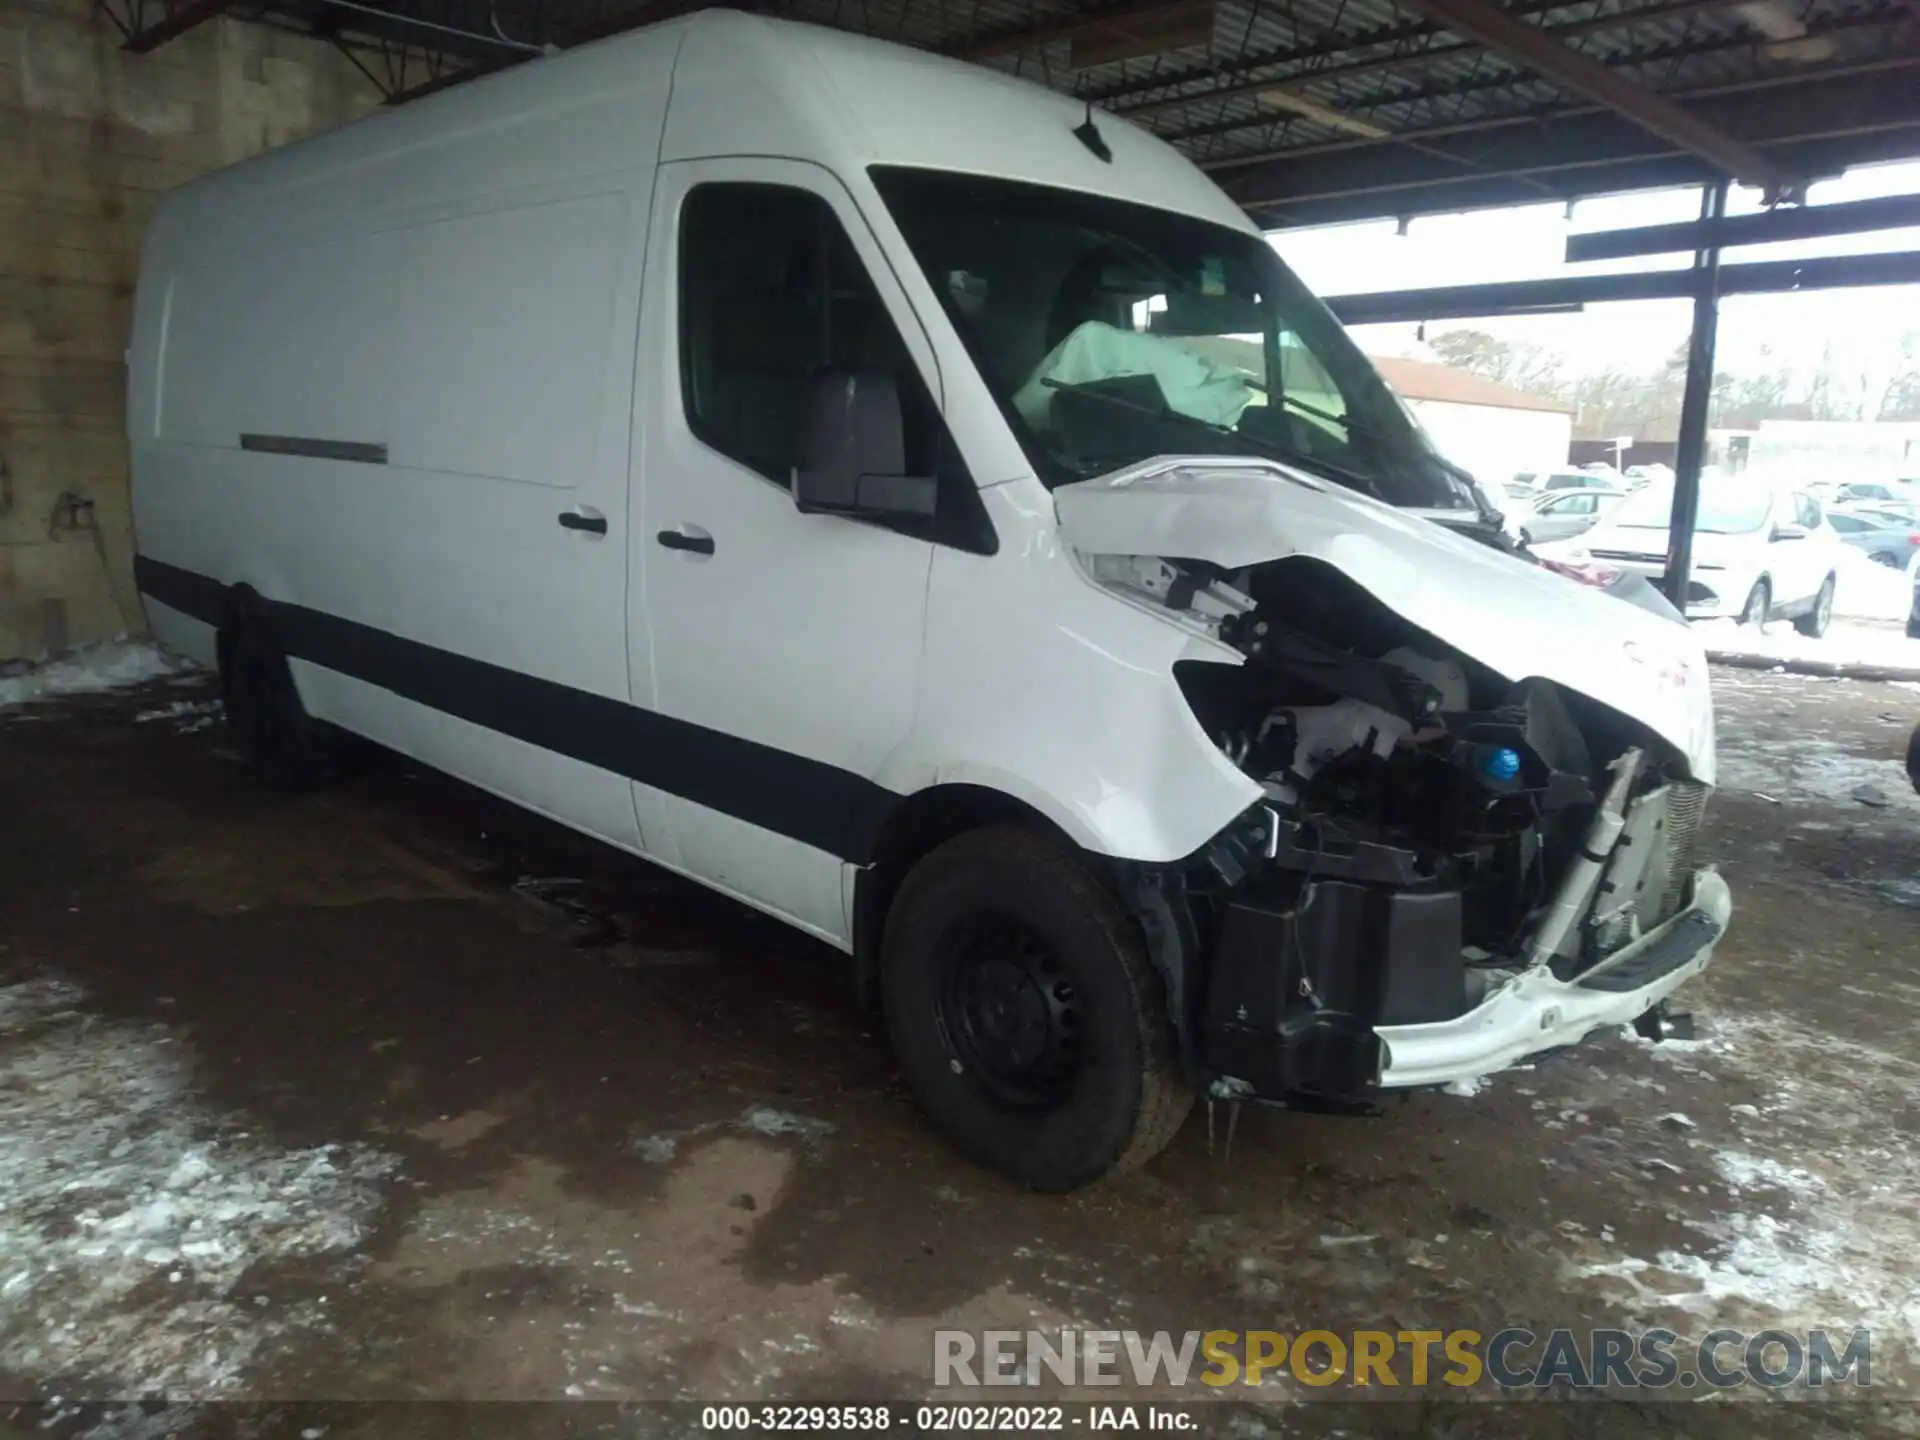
771,293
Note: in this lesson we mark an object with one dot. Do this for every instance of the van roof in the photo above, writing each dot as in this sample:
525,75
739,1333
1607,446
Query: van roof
741,85
900,106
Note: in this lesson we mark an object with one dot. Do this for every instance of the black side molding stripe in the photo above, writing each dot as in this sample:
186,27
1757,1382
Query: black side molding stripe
360,452
805,800
190,594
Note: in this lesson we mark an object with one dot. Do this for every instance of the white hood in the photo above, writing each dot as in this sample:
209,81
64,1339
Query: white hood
1514,617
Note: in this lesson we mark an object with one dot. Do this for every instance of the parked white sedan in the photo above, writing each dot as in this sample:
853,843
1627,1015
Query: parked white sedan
1759,552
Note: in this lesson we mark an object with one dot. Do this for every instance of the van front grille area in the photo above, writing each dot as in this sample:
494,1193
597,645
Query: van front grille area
1686,806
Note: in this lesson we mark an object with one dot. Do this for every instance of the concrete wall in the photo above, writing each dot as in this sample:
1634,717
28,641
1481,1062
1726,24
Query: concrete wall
1493,444
90,136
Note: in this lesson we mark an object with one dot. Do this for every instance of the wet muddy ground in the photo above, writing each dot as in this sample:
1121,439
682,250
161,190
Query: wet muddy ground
394,1093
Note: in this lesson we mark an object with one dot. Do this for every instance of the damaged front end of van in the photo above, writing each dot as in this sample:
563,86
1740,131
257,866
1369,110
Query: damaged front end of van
1480,788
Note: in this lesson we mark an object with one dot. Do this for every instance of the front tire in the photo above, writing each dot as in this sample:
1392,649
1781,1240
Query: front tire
284,746
1759,603
1021,1003
1814,623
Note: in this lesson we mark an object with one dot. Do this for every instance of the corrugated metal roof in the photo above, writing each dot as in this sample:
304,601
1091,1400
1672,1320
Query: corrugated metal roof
1406,105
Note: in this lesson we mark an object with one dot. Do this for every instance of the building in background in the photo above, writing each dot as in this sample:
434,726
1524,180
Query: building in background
1492,430
1839,450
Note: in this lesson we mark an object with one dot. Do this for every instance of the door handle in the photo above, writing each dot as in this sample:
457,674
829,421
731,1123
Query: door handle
590,521
680,540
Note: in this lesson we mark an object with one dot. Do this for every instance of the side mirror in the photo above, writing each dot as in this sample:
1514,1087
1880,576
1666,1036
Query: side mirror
1789,532
855,454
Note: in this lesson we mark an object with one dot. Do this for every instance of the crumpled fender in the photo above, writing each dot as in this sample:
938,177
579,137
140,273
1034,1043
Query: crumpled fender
1045,687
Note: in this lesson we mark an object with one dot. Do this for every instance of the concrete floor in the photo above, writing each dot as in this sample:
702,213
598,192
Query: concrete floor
325,1100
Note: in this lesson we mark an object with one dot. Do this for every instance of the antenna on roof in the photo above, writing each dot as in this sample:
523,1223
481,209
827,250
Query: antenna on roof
1088,134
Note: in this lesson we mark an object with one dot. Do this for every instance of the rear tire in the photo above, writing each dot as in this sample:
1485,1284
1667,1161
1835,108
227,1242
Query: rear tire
1814,623
1759,603
284,747
1021,1003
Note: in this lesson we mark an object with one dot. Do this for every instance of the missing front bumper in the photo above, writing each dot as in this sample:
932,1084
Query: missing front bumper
1536,1011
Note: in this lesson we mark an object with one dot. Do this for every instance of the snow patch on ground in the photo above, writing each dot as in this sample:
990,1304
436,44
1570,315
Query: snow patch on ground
1843,644
1811,767
1870,603
1824,1229
129,1213
764,1120
183,716
112,666
1758,1172
1466,1089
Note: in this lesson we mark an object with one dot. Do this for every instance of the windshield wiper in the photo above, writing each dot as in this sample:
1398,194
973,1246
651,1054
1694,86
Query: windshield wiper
1353,479
1314,412
1356,431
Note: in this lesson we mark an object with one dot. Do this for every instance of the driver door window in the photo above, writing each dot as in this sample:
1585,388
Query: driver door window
772,293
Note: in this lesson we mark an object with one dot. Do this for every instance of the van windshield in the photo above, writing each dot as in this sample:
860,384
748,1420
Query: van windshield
1111,332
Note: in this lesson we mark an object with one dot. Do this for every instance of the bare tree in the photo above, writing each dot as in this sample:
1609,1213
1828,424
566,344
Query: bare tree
1901,401
1532,368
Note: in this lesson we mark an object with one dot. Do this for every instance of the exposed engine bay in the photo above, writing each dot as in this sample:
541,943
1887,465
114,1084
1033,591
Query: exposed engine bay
1429,830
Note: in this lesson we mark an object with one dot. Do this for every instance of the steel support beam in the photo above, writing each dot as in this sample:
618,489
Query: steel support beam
1514,297
1691,451
1539,51
1827,156
1805,223
1405,59
1505,77
1188,27
1821,123
1105,20
602,29
179,20
1402,33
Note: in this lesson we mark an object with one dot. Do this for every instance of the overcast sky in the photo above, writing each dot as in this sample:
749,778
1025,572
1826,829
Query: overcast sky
1863,327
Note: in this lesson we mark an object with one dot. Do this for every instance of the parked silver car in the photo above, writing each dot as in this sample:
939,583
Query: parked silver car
1886,537
1562,514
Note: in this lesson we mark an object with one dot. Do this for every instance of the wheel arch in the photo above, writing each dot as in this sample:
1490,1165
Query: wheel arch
915,827
1149,894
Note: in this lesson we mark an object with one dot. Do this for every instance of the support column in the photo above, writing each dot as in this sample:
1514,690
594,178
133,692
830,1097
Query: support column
1692,447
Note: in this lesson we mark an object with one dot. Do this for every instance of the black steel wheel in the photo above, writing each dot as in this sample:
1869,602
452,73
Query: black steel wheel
1022,1006
1009,1013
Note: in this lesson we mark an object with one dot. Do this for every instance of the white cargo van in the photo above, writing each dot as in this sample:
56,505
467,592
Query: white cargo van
929,512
